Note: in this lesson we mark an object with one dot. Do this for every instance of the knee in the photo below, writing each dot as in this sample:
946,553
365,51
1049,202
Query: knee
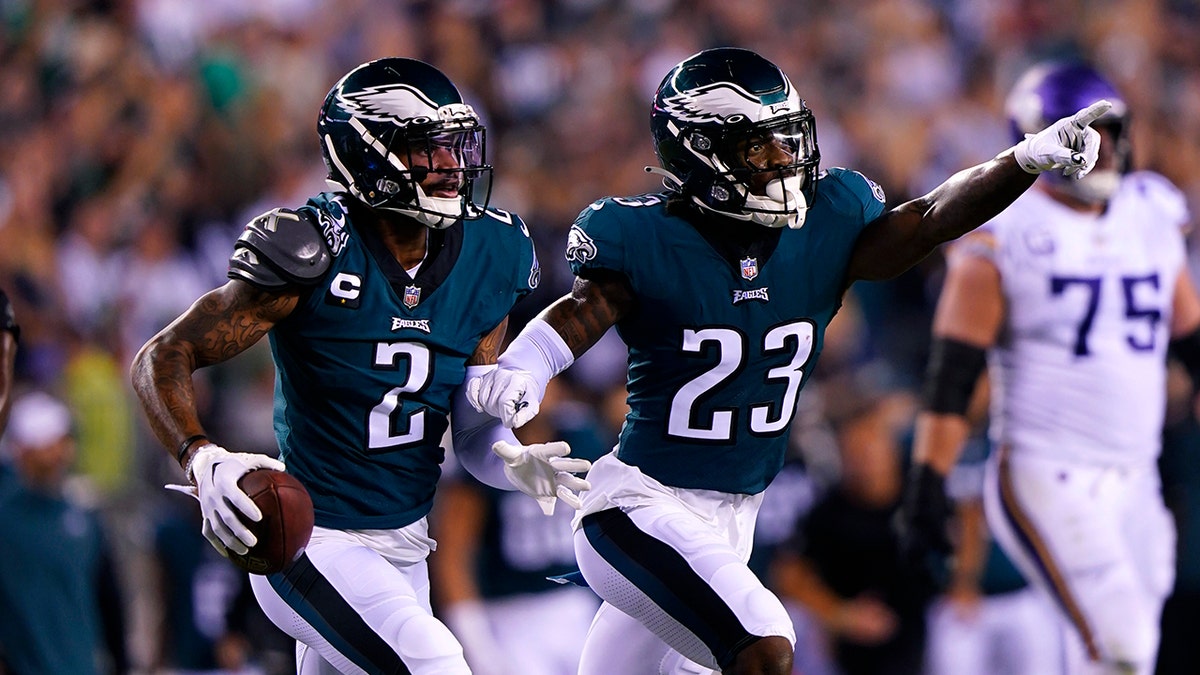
770,655
424,642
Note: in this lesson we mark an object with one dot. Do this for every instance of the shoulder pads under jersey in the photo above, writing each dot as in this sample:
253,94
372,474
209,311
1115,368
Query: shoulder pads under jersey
281,247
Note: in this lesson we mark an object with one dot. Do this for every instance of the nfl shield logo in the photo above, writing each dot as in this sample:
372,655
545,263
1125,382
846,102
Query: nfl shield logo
412,295
749,268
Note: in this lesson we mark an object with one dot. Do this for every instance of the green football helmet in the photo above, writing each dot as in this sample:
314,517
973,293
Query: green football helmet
711,113
384,114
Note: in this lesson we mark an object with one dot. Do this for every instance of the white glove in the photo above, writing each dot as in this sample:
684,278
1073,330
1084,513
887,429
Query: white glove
1068,144
215,472
515,396
543,471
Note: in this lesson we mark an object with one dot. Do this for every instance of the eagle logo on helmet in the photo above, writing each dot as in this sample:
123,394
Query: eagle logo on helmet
400,104
720,101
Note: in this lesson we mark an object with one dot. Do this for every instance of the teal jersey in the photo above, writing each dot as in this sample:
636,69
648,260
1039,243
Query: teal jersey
719,350
49,576
367,365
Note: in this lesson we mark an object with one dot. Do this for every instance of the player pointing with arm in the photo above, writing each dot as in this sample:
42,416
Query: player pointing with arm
1069,298
379,303
721,288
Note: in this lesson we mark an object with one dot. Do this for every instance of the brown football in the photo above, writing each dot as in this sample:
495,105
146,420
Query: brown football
286,524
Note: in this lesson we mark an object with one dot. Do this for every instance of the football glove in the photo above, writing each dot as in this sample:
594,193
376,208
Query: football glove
215,472
1068,144
924,514
514,396
543,471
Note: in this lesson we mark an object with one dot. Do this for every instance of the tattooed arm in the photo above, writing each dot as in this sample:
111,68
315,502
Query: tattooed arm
220,325
592,307
489,347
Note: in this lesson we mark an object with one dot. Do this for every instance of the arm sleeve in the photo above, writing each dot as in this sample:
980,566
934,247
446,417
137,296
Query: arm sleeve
475,432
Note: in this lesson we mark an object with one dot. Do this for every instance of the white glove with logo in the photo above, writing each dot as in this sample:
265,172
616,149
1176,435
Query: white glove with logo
1068,144
514,396
215,472
543,471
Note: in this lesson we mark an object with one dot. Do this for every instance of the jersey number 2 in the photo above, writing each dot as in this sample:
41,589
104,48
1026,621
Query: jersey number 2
767,418
387,425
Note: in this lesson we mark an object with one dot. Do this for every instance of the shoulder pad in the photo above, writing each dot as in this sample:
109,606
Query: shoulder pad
1163,195
851,194
280,248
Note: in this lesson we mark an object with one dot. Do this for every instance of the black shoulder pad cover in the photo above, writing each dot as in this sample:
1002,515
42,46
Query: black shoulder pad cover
280,248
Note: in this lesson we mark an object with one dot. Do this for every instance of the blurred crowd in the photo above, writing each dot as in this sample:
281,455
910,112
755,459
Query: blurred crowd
137,137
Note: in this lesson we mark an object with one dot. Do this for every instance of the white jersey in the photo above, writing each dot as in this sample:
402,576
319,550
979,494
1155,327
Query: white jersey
1078,370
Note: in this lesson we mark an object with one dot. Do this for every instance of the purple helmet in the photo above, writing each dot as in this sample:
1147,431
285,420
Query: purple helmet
1052,90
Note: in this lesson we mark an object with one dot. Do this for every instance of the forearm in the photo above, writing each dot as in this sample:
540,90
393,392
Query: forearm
938,440
161,375
904,236
971,197
971,552
220,325
474,433
951,383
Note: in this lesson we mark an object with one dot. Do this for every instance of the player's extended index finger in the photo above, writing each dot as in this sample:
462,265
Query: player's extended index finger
1091,113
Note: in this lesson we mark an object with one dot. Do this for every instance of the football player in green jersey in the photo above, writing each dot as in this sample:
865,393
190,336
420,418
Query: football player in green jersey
379,303
722,287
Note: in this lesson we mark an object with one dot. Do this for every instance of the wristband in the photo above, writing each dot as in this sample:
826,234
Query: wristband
187,443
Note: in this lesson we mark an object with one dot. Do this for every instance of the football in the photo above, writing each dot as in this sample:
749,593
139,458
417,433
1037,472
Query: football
286,524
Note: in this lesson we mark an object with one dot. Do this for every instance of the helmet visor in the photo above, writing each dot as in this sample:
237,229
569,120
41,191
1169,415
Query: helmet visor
789,144
775,149
410,164
784,147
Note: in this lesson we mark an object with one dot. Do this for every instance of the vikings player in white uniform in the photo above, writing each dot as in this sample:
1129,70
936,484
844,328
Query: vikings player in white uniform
1072,295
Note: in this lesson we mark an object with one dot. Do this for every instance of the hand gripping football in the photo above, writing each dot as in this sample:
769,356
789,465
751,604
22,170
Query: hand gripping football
286,524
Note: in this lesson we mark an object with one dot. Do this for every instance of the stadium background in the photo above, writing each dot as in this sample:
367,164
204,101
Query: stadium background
137,136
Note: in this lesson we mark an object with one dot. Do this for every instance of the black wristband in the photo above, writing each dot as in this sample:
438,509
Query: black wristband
187,443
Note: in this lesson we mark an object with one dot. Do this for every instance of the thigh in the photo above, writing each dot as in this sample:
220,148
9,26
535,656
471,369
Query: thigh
1029,633
360,612
681,579
1150,533
618,643
1061,524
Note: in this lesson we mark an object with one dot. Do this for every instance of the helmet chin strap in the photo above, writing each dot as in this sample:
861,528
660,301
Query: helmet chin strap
670,180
